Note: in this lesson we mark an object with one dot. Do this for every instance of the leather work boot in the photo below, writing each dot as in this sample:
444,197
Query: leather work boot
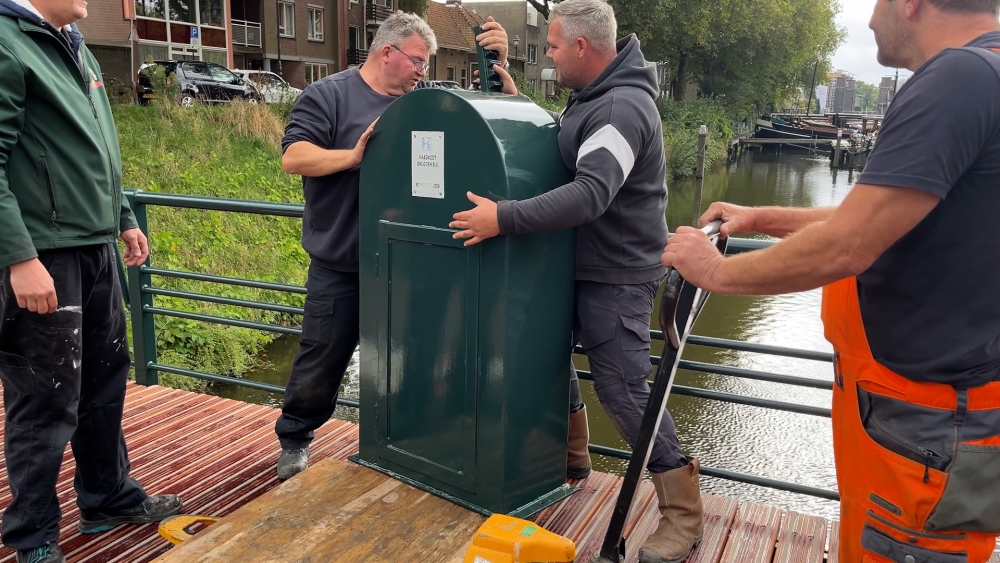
577,457
292,462
153,509
681,515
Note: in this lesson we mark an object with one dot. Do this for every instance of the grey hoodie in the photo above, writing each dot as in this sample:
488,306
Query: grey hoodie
611,138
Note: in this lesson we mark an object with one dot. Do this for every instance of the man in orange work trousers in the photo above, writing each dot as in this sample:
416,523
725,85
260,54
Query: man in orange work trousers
910,262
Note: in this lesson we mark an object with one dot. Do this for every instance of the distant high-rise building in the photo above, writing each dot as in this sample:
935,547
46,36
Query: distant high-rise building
842,92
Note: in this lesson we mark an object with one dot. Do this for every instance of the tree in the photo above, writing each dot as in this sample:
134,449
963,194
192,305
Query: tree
418,7
867,96
746,53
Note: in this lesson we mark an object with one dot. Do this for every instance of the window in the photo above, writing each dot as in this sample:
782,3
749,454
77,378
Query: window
218,57
465,77
533,54
388,3
450,73
213,12
315,23
314,72
221,74
149,8
196,71
182,11
532,16
286,19
353,37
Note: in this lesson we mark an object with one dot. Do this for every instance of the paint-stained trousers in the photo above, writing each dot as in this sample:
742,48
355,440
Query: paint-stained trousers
64,376
611,323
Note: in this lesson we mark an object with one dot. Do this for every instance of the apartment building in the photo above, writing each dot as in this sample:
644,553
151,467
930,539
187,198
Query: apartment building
527,31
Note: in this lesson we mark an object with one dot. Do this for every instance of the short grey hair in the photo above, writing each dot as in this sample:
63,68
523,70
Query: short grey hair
398,28
594,20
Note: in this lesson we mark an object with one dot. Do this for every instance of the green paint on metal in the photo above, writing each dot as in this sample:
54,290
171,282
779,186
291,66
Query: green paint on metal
464,350
143,330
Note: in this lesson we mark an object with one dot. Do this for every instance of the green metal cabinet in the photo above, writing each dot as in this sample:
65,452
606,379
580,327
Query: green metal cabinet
465,351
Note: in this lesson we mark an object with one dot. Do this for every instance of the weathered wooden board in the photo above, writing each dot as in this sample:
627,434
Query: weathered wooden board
334,512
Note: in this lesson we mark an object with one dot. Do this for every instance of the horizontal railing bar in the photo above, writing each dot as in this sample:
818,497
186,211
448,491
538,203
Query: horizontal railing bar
219,204
753,374
744,373
740,245
733,476
223,280
221,320
224,300
760,348
214,377
750,347
731,398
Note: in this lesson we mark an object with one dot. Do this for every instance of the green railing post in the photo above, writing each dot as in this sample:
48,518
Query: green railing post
143,330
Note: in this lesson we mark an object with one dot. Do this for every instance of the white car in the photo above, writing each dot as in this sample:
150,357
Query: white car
270,85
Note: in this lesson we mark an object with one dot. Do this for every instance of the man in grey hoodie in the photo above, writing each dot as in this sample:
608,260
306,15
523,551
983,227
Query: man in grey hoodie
611,138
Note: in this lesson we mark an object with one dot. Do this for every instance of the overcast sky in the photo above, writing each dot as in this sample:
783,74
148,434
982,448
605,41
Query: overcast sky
857,54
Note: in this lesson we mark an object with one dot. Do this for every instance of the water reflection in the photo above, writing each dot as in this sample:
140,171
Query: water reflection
779,445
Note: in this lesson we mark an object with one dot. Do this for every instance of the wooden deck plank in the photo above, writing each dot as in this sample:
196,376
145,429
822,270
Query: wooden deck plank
801,539
833,553
753,534
335,512
719,515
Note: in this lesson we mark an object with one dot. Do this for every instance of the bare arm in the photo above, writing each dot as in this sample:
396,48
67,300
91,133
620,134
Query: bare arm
307,159
773,221
867,223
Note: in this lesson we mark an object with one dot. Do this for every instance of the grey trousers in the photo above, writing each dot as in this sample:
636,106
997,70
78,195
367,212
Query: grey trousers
611,323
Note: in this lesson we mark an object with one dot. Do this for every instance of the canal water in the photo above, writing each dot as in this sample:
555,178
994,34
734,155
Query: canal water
753,440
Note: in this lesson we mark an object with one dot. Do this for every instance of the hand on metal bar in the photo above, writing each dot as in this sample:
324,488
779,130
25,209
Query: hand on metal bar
671,291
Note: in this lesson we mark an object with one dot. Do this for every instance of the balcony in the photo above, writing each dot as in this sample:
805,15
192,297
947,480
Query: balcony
356,56
377,13
246,33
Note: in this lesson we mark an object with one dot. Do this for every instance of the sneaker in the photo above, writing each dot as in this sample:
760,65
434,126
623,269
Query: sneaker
48,553
153,509
292,462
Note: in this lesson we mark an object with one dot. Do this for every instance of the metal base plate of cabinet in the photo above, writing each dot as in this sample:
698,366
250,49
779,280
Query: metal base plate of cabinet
465,351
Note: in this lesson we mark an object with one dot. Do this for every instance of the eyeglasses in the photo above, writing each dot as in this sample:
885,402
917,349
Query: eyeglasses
417,64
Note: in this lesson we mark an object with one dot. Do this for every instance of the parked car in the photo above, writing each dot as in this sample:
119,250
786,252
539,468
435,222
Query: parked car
197,81
447,84
270,85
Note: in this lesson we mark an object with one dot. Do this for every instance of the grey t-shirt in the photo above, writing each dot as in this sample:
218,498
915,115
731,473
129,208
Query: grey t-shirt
931,302
332,113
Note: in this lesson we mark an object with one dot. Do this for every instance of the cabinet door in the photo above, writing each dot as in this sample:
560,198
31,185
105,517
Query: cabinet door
428,349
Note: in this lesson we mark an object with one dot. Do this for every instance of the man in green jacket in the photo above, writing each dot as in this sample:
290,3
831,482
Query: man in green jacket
64,356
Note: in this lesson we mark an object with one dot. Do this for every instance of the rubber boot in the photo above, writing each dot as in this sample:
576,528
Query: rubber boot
578,458
681,515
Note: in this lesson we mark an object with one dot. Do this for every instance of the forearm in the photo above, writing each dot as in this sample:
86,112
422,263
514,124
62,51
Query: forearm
307,159
813,257
783,221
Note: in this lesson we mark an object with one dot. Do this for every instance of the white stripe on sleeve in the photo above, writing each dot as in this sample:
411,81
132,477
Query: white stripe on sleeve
608,137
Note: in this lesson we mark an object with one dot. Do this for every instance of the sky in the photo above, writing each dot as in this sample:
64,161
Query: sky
857,54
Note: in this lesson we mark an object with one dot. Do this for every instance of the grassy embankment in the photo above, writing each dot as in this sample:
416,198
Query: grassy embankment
233,152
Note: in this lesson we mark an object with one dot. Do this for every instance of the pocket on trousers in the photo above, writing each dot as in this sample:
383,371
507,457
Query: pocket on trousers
317,323
971,498
879,547
16,374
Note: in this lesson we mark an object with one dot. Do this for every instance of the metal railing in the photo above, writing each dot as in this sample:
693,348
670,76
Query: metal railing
141,292
377,13
356,56
246,33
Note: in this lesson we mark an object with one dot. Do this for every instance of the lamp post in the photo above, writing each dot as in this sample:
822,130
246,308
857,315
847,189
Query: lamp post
516,41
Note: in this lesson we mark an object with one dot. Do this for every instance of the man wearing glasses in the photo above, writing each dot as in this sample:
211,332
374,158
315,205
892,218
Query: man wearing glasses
324,142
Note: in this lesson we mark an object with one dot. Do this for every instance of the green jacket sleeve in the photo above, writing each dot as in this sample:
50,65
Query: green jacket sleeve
127,219
15,242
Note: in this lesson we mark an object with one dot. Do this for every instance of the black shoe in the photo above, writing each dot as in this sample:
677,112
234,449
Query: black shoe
153,509
292,462
48,553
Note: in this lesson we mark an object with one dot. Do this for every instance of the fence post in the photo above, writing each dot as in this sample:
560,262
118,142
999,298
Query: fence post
702,139
836,149
143,330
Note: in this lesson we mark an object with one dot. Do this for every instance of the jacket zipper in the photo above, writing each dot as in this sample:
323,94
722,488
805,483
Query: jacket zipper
79,65
929,454
43,171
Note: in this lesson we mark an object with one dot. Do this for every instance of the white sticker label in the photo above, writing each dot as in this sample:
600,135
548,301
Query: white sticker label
481,560
428,164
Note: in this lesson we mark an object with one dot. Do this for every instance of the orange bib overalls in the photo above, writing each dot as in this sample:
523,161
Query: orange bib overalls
918,464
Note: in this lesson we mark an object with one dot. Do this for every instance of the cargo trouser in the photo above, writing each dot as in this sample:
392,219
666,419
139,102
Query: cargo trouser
611,323
64,376
918,464
330,333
